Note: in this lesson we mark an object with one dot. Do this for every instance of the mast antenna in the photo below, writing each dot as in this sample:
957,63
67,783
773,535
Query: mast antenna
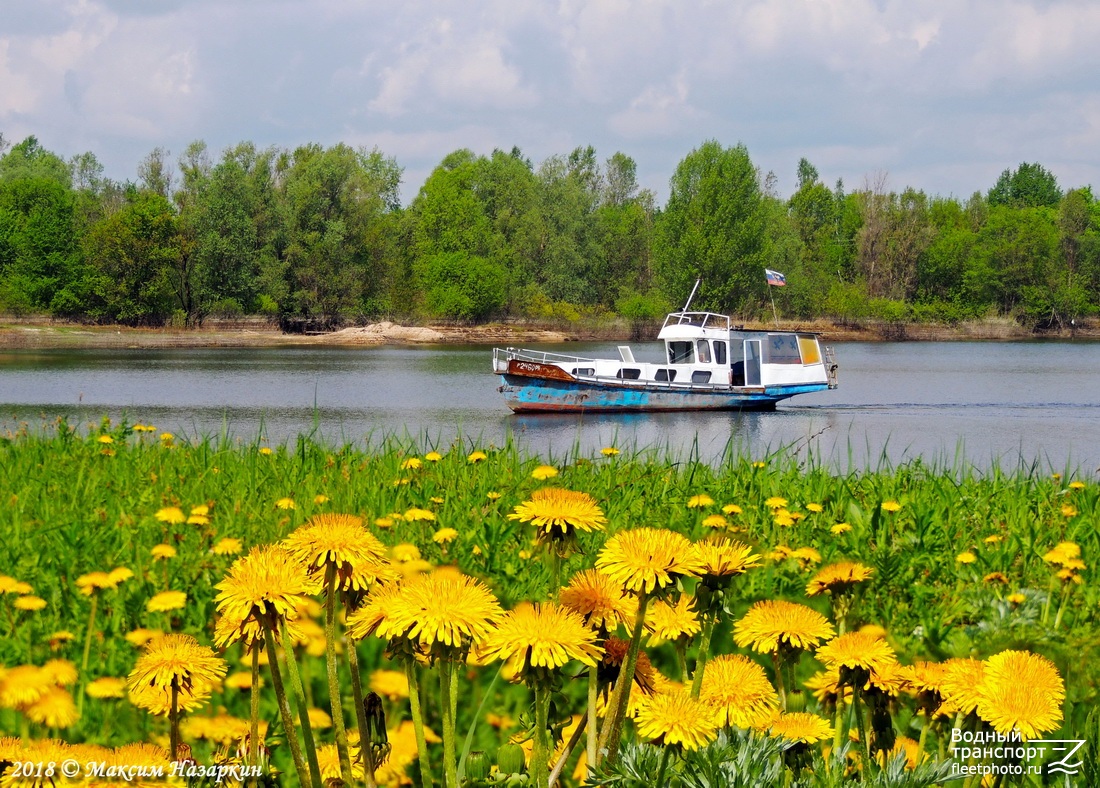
688,303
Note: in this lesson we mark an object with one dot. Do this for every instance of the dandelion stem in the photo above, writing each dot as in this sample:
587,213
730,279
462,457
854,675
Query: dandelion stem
578,732
540,754
303,708
284,710
593,730
450,758
418,721
780,684
87,653
360,714
857,706
555,572
333,674
174,720
663,767
254,713
704,654
613,725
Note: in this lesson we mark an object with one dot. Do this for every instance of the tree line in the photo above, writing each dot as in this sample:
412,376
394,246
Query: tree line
318,236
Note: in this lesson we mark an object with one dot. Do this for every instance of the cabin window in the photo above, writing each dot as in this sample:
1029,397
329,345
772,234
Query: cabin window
811,351
629,374
702,347
782,349
700,376
719,352
666,375
584,371
679,352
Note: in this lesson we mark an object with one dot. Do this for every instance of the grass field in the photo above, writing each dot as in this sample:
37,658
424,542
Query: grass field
434,592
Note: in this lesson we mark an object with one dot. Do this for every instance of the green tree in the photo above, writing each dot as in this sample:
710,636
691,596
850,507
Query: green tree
462,287
1028,186
135,253
714,228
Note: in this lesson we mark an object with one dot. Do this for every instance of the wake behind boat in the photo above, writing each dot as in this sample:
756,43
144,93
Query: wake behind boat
710,366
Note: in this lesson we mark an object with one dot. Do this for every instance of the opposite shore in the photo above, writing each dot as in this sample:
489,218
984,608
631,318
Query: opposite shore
18,333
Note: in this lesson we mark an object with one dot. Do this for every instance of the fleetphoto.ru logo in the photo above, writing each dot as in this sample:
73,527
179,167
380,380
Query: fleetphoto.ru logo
996,754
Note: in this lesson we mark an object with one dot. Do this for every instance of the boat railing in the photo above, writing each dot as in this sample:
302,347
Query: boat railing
698,319
537,356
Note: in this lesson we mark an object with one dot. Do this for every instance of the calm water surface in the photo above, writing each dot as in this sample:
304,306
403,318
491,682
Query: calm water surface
1003,403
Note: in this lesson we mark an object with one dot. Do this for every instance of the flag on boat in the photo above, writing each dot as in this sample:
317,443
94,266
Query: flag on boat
775,278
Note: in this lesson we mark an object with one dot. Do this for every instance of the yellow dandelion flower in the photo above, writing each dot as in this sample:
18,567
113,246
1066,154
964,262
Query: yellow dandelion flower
55,709
996,577
341,542
266,584
815,507
198,519
163,551
739,689
840,528
959,686
558,513
891,506
1021,692
320,499
22,588
1077,485
433,456
770,623
405,552
775,502
419,515
731,508
176,659
598,599
993,539
23,685
1062,553
966,557
676,718
700,501
801,727
227,546
838,578
139,637
171,514
436,499
167,437
444,535
668,622
889,678
29,603
1069,510
476,456
544,472
61,671
648,559
7,584
493,495
783,518
1016,598
759,464
106,687
609,451
166,601
286,503
240,680
390,684
722,558
543,636
806,556
319,720
856,651
412,464
383,522
446,609
265,451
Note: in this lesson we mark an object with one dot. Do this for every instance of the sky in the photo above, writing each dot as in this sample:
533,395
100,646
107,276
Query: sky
938,95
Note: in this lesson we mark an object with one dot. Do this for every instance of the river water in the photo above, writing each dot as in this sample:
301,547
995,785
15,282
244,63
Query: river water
981,403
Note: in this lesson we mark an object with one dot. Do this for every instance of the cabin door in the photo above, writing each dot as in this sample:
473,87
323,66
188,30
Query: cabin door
752,362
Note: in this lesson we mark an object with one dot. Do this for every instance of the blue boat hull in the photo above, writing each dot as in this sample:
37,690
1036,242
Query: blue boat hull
526,395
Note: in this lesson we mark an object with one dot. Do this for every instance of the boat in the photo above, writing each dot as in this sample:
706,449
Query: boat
706,364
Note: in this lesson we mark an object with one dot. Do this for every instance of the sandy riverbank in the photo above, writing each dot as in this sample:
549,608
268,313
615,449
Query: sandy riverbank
51,334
